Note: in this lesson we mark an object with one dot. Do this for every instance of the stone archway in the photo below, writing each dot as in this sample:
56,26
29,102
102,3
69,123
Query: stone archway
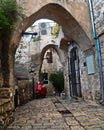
59,52
70,26
72,30
74,70
61,56
51,46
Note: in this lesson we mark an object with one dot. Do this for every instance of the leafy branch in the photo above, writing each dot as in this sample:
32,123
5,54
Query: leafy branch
9,14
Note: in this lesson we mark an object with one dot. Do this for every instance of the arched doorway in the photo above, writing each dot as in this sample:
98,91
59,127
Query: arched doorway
74,73
54,69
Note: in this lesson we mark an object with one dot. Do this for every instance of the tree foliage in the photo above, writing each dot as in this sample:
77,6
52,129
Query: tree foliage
9,12
57,80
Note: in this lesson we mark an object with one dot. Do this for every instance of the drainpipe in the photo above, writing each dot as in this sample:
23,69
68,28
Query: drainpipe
98,50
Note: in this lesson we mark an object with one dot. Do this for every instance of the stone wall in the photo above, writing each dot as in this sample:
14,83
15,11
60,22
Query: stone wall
101,38
50,89
6,112
89,82
98,7
75,17
90,86
25,91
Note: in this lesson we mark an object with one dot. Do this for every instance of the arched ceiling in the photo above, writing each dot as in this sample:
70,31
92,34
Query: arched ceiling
71,28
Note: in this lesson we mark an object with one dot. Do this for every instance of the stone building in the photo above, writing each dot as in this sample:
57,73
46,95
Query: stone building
81,50
28,55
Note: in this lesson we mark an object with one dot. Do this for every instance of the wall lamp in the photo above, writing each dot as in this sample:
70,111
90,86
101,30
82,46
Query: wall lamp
29,33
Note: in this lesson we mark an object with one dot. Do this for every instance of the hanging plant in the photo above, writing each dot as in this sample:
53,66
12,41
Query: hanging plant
9,14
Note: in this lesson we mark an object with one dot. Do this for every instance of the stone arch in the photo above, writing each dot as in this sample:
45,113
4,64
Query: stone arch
70,26
64,45
61,57
55,47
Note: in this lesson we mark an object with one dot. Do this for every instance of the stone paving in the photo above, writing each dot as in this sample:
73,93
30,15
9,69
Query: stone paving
57,114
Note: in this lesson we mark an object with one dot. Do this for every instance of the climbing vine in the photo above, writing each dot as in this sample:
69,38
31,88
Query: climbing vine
55,30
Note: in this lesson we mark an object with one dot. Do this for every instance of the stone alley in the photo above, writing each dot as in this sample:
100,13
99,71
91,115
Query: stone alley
51,48
54,113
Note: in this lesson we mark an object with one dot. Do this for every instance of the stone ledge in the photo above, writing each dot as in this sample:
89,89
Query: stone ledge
6,105
6,92
4,101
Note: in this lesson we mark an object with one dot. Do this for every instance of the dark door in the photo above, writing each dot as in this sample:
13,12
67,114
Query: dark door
74,75
16,98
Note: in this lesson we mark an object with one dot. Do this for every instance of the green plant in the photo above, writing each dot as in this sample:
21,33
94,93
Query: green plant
9,14
55,30
36,38
57,80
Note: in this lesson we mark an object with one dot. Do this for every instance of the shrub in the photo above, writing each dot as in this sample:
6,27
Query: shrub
57,80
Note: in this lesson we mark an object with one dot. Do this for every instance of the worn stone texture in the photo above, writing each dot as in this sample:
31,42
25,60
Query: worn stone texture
90,86
57,114
74,18
98,7
75,21
6,112
25,91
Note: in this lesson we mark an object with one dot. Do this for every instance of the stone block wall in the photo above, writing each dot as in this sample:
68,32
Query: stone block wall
7,98
6,113
101,38
6,106
98,7
50,89
90,86
25,91
89,82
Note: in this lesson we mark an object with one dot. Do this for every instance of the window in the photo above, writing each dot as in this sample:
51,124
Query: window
90,64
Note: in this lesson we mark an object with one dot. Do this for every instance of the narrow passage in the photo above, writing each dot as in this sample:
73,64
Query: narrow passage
57,114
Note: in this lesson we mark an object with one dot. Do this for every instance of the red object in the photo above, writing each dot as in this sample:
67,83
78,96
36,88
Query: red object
40,90
43,91
38,87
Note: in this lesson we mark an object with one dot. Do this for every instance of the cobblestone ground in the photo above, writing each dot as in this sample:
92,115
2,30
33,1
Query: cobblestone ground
57,114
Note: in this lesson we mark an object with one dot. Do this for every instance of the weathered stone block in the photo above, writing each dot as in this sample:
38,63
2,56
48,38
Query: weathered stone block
6,112
6,92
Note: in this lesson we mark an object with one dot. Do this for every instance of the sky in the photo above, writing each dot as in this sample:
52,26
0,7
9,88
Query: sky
42,20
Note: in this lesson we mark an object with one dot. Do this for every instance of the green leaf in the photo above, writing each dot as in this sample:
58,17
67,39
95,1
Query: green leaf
9,12
57,80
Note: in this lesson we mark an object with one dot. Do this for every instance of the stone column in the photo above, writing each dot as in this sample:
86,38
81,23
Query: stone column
6,87
66,79
7,74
